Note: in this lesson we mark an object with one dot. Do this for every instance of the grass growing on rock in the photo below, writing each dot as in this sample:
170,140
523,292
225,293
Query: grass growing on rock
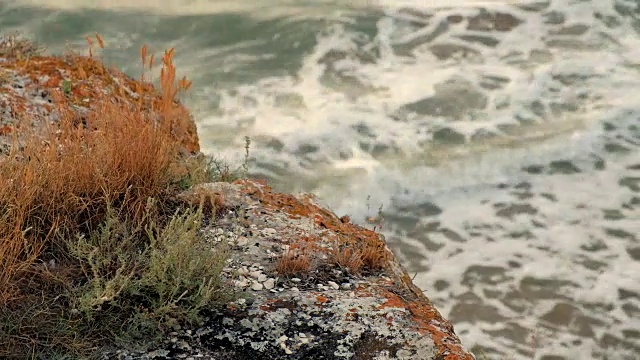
96,248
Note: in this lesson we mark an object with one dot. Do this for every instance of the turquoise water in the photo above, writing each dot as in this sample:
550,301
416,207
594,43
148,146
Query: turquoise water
502,141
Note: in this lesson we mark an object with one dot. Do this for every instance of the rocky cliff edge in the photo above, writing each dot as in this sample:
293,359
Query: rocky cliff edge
311,285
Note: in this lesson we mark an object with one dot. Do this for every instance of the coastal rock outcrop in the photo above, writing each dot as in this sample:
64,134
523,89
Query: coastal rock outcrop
317,286
311,285
28,81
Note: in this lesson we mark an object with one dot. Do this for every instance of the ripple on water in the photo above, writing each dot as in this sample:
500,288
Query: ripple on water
553,257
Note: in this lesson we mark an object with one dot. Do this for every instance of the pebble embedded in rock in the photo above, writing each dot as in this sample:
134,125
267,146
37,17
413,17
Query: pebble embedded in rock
242,241
302,337
269,284
257,286
269,232
333,285
242,282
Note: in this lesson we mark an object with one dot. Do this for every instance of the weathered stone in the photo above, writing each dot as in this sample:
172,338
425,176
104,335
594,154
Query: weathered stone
29,85
378,313
375,313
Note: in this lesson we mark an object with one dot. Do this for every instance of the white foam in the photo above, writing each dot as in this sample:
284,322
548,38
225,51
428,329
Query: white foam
255,6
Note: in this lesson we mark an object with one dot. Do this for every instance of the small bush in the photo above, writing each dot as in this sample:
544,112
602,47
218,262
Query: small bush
171,279
183,274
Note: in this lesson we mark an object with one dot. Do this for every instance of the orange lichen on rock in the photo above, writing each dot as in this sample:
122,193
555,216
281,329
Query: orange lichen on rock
354,247
80,81
428,321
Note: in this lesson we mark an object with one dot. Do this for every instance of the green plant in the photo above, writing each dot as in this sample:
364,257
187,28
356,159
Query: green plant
172,278
183,273
201,169
66,87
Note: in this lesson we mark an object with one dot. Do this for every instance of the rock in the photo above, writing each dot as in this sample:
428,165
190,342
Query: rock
38,85
257,286
376,312
269,284
242,241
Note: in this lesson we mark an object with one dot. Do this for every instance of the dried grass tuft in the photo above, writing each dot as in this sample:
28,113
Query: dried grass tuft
347,258
368,254
13,45
293,263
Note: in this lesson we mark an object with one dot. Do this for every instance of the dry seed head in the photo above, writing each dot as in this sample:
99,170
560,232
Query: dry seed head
90,44
143,54
100,41
143,58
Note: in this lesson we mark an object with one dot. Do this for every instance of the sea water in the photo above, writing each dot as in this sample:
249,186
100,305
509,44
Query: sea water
498,141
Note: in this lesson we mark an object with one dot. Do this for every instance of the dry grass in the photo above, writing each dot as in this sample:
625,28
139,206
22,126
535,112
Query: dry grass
94,245
293,263
355,257
58,186
14,46
373,256
347,258
366,255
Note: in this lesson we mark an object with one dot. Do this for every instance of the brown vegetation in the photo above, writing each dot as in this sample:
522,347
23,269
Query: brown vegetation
93,240
346,258
293,263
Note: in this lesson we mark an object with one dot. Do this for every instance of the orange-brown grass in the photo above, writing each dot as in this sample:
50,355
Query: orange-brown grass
367,254
347,258
12,45
106,182
293,263
374,256
212,203
60,183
